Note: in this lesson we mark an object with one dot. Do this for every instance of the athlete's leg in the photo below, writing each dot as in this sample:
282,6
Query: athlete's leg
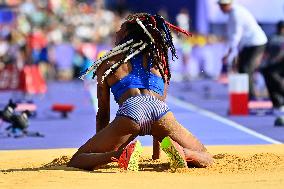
195,152
104,145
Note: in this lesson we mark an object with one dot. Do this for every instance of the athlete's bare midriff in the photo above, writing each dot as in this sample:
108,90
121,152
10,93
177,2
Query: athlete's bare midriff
135,92
123,71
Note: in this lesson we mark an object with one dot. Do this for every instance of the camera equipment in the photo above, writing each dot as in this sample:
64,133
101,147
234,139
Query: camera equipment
8,111
19,122
19,126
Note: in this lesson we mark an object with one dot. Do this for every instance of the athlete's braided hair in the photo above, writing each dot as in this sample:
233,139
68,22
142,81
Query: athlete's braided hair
148,34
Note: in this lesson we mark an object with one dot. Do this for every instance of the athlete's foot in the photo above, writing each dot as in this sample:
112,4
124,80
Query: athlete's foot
175,152
129,158
197,158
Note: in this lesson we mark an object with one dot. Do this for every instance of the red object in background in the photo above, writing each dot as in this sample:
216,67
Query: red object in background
9,78
64,109
37,40
13,2
31,80
239,104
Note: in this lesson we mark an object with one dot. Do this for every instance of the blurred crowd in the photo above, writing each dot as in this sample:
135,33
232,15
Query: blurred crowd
64,37
61,36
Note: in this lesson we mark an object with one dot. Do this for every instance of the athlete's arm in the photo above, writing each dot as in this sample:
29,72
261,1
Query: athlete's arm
103,95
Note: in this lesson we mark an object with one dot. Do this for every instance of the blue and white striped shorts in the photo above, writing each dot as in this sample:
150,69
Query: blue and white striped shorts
144,110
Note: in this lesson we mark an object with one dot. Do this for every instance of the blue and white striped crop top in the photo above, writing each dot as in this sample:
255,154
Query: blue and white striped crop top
140,78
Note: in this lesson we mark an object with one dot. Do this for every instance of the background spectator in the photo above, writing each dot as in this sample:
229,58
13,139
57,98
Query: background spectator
245,36
273,68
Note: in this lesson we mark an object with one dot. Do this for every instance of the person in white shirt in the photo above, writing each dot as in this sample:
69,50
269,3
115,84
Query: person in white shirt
246,37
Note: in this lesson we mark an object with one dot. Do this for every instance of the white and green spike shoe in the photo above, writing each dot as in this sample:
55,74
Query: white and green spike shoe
176,155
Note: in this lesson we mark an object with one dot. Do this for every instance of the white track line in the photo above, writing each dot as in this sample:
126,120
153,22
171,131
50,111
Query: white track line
221,119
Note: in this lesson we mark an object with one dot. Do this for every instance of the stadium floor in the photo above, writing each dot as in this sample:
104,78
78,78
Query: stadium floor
247,150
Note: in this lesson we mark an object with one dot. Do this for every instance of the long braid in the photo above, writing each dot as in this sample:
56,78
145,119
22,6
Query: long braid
164,59
156,62
112,69
163,55
161,24
157,51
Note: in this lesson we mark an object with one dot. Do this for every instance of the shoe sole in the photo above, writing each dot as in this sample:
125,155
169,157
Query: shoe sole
176,160
133,164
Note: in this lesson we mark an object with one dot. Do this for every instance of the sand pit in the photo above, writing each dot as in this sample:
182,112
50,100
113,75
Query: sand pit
259,166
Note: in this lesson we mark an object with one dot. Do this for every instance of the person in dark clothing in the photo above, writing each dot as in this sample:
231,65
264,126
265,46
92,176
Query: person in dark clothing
273,67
